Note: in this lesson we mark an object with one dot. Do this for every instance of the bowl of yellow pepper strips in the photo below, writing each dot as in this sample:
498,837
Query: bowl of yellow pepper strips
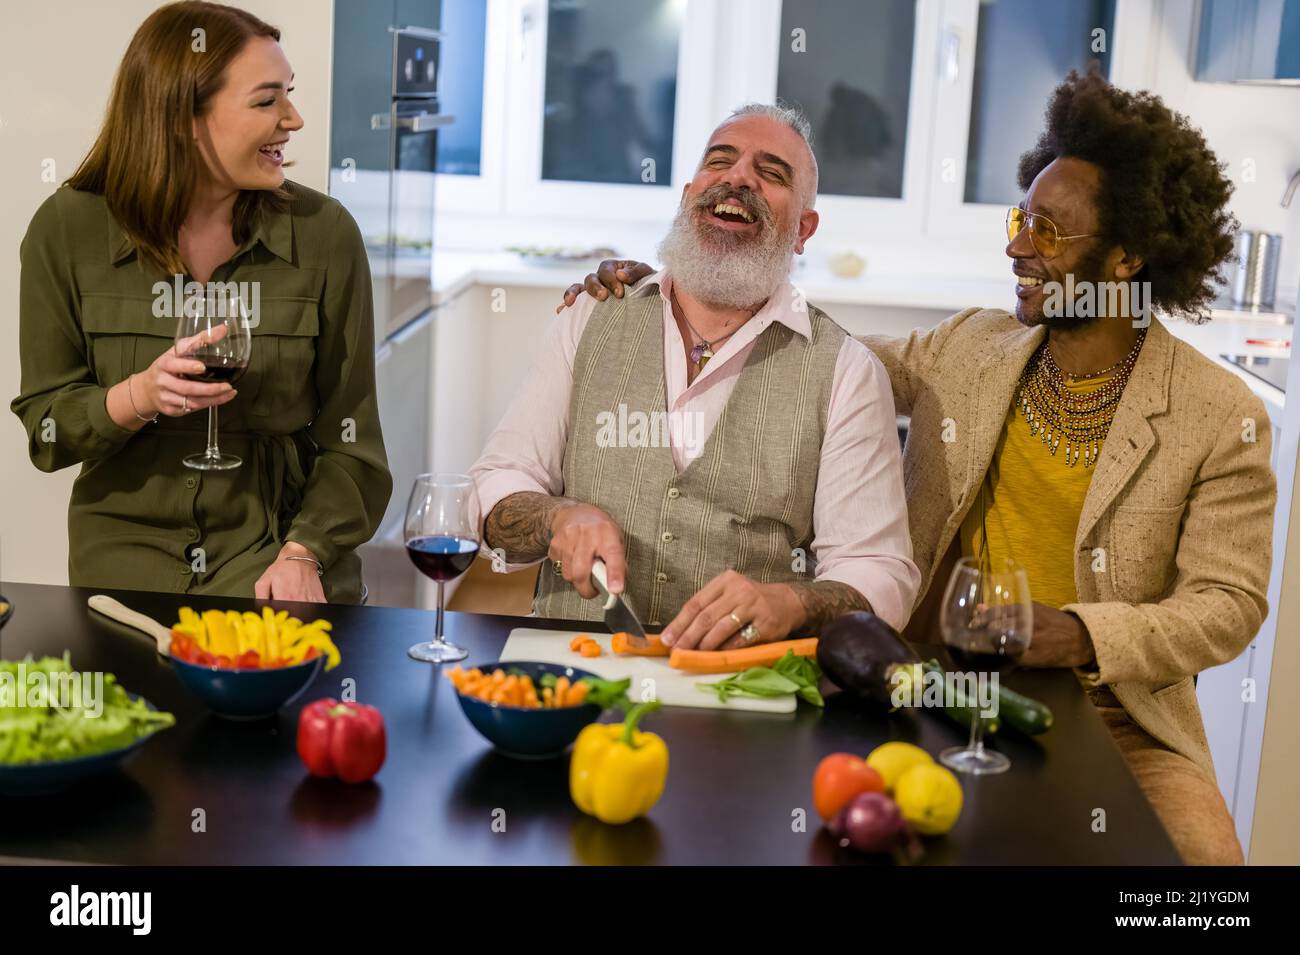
248,665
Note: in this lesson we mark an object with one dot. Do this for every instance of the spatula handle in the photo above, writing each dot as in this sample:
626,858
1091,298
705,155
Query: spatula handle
102,603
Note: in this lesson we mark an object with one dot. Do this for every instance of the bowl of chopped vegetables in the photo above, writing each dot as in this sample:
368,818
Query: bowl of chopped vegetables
59,727
246,665
533,710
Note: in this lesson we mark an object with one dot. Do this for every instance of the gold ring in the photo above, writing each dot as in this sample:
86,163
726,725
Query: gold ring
185,404
739,622
558,567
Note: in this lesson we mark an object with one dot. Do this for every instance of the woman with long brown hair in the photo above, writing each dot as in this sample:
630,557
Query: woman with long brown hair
185,184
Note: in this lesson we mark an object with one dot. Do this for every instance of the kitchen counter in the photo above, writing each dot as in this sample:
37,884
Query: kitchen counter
456,270
736,783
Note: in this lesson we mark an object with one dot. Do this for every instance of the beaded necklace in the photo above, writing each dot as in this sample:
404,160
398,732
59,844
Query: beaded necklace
1054,412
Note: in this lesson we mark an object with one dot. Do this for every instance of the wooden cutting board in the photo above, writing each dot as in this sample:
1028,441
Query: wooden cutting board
671,687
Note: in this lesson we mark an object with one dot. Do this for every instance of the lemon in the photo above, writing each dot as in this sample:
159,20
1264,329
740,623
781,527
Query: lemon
930,799
891,760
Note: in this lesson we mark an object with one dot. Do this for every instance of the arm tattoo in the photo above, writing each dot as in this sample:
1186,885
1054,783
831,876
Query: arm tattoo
824,600
520,525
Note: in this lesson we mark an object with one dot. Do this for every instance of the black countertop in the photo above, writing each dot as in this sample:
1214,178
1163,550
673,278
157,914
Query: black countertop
737,782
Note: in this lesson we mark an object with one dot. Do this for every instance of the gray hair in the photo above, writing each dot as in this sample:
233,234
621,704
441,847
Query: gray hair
791,117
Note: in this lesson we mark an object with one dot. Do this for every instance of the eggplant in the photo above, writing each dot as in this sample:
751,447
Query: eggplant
859,652
865,656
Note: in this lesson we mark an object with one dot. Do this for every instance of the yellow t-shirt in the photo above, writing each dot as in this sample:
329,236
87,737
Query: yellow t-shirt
1029,506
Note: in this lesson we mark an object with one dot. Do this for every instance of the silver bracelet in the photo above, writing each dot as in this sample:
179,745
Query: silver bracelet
320,568
130,395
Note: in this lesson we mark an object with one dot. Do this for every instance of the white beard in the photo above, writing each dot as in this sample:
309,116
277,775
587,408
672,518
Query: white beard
722,269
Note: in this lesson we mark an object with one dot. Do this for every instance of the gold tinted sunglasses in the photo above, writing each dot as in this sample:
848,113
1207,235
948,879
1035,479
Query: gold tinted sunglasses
1043,233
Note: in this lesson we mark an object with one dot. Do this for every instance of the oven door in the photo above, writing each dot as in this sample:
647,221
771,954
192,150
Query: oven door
414,140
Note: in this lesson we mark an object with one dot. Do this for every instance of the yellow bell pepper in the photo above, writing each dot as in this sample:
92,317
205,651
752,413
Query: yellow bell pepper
617,772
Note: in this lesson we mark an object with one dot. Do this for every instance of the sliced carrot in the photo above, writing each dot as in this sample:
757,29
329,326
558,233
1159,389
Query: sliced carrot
622,644
548,696
729,661
590,649
577,693
576,643
561,687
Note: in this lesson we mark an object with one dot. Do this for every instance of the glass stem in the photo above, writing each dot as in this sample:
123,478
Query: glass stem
213,451
976,744
438,626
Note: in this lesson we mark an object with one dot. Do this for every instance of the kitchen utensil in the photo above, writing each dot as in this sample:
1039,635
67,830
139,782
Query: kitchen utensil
1254,283
115,610
618,615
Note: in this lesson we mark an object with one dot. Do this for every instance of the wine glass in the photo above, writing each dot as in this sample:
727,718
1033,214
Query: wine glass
223,342
987,620
442,538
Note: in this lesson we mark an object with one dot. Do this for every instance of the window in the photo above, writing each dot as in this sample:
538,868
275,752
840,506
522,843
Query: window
611,90
579,121
1020,56
848,66
461,86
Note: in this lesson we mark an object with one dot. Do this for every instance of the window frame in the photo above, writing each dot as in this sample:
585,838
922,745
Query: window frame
949,214
483,194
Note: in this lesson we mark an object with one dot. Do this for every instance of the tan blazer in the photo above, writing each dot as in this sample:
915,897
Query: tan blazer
1174,543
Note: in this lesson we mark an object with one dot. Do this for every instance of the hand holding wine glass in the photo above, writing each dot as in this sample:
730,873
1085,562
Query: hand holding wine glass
223,344
166,388
987,621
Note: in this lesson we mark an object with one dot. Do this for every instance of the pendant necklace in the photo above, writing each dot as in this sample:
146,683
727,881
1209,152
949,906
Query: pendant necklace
702,350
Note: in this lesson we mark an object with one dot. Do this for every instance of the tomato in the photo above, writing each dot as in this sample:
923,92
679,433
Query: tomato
840,777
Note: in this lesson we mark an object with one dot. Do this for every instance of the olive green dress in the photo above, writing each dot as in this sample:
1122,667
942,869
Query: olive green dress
305,421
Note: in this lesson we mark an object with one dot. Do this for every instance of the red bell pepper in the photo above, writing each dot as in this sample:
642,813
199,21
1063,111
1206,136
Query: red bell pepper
343,740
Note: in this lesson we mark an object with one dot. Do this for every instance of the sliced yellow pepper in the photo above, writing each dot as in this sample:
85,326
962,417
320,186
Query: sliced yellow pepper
272,635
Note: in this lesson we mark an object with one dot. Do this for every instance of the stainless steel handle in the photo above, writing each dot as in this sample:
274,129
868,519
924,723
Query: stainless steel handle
423,122
380,121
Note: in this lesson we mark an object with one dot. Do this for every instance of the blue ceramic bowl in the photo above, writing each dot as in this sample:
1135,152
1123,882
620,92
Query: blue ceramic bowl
247,694
41,779
527,732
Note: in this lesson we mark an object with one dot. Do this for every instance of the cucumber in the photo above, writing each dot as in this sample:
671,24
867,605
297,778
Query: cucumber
1019,711
960,711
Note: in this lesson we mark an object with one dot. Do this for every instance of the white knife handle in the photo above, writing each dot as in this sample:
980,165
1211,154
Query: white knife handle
599,574
102,603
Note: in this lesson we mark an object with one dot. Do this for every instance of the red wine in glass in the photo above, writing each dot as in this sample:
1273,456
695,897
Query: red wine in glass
442,558
992,656
441,533
220,369
223,342
987,622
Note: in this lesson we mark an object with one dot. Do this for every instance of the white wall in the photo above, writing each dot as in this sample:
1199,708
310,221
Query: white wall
54,113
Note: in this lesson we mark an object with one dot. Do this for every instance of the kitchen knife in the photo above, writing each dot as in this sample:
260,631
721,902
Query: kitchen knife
618,615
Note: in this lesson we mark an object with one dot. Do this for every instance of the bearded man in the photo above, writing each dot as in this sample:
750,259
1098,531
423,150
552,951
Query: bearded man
752,488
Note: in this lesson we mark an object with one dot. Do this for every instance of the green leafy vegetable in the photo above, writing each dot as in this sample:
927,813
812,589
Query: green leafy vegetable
791,675
50,712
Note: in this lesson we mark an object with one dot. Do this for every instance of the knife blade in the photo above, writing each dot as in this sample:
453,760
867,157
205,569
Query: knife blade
618,615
